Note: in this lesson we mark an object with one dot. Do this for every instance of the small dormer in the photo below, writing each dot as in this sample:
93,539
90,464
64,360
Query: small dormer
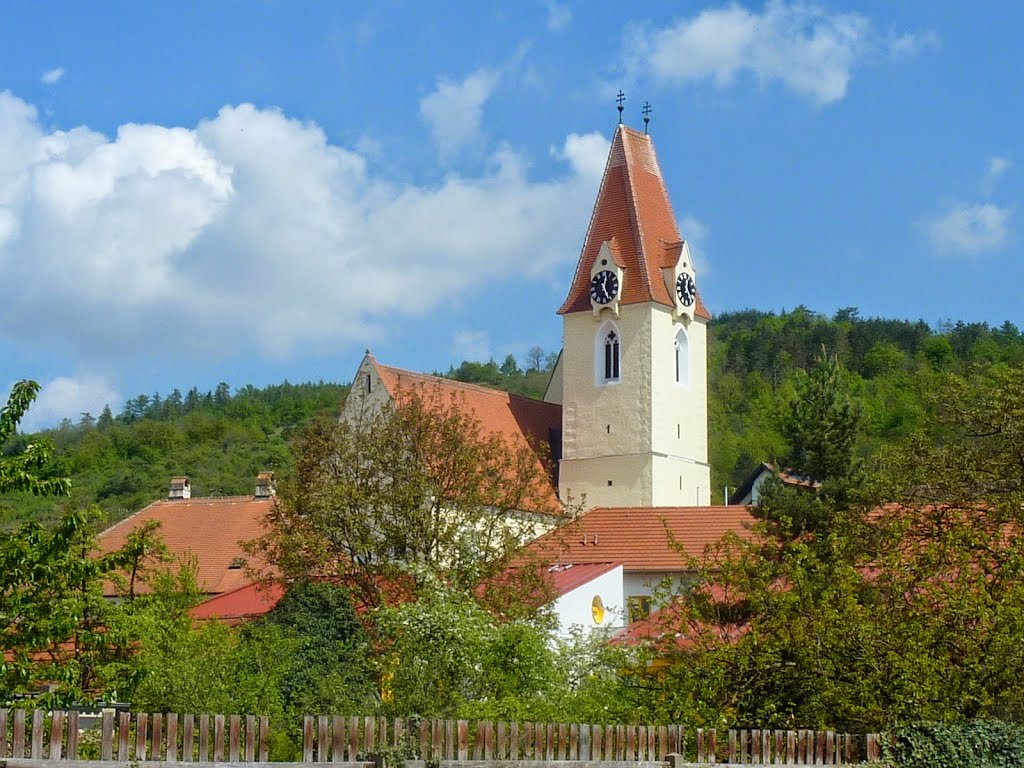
680,279
265,487
180,488
607,278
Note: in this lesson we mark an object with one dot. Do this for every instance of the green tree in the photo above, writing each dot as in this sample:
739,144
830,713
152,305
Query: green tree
22,471
419,484
509,366
444,656
823,424
328,670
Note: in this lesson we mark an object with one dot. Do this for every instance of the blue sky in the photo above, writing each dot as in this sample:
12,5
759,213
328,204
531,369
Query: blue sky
247,192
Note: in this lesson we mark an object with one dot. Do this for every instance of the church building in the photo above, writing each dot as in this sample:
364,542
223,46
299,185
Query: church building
625,415
625,412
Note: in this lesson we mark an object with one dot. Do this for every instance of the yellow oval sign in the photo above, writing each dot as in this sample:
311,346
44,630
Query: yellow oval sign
597,609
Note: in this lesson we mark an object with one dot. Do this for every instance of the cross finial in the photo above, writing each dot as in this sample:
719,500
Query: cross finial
620,99
647,115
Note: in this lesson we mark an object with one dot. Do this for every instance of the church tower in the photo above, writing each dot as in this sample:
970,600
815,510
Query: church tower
633,372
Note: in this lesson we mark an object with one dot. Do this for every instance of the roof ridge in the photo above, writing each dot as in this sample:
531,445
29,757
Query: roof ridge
590,223
634,215
206,499
464,384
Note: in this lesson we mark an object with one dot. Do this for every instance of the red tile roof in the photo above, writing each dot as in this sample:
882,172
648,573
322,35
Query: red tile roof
634,211
245,602
565,577
522,421
665,629
209,529
641,537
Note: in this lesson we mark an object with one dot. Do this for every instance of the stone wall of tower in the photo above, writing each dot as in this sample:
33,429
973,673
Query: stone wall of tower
643,440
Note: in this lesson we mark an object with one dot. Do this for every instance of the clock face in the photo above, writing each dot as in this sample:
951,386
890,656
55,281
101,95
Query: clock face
604,286
686,290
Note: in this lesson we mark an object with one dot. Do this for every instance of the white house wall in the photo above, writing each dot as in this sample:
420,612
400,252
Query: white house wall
575,608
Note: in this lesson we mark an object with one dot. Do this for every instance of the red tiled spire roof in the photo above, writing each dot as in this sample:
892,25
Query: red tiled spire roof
633,211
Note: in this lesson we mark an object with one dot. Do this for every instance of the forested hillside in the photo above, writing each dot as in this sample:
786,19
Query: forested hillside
754,360
221,439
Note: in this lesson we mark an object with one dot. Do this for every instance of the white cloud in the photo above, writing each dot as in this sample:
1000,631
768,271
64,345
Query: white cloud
970,228
471,345
997,166
587,153
559,15
695,234
910,44
454,110
67,397
52,76
800,45
252,234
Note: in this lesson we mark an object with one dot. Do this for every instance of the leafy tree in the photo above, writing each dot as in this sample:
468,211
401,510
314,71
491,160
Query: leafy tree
57,626
420,483
22,471
823,423
509,366
327,667
106,418
443,655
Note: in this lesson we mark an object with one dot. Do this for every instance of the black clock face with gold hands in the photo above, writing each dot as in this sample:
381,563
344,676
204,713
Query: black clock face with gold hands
686,290
604,286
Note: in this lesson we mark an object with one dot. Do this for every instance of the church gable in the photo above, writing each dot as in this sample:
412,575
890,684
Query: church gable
521,421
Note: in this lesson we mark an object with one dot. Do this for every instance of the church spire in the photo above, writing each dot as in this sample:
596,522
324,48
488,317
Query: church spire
633,211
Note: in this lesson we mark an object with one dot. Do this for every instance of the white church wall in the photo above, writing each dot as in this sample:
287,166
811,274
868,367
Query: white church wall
576,608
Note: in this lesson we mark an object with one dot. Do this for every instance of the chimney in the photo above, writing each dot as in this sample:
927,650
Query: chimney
265,485
180,488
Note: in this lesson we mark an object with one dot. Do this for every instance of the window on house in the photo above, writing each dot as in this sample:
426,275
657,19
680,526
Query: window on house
639,607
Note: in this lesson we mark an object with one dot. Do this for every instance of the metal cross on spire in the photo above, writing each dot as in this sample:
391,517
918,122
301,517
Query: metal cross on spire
647,115
619,100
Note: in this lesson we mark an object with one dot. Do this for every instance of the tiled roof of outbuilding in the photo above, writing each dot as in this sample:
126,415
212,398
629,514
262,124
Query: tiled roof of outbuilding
641,538
209,529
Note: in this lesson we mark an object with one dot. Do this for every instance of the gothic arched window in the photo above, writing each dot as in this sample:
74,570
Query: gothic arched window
607,354
682,355
611,356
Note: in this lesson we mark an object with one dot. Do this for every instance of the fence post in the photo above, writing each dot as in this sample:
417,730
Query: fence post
234,738
463,726
158,736
106,736
264,738
188,738
56,733
72,736
172,737
307,738
250,737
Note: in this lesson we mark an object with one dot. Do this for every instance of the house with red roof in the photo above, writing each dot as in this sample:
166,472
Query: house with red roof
209,532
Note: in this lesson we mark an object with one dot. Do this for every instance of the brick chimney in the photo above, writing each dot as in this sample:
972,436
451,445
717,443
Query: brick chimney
180,488
265,485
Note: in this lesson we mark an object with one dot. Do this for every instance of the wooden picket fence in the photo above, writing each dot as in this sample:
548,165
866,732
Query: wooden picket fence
134,737
351,739
137,737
